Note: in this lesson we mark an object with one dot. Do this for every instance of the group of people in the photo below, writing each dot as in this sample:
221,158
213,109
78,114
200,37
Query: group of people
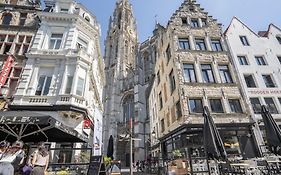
141,166
14,161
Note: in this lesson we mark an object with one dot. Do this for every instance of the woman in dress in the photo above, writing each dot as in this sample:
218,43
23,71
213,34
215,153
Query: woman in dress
40,161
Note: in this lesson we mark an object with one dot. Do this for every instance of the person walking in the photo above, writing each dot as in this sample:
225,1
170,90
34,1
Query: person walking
8,159
40,161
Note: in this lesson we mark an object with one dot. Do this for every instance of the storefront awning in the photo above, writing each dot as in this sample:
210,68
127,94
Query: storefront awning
30,126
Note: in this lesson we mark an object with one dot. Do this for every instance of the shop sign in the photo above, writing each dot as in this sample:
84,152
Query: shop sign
264,92
20,120
6,70
87,124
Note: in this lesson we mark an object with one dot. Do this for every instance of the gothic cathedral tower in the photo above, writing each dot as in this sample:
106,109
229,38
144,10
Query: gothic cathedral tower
123,89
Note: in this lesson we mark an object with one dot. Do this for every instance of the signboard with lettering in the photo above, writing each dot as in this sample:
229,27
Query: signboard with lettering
23,120
265,92
6,70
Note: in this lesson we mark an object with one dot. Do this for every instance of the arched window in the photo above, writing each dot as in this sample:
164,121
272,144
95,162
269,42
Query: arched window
7,18
128,108
278,39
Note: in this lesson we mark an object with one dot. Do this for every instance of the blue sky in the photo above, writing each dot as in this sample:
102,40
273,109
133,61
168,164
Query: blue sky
257,14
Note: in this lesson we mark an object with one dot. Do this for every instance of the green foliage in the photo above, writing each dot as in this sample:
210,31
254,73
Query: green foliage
63,172
107,160
177,153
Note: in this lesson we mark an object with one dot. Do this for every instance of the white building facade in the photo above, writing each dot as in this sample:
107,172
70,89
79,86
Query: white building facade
257,59
63,77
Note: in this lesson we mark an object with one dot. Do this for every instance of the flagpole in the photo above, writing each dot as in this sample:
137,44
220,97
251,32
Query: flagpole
131,146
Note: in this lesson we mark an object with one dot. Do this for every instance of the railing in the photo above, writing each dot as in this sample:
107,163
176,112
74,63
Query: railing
55,100
63,52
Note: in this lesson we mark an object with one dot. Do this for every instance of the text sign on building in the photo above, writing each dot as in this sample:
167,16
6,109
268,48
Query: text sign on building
264,92
6,70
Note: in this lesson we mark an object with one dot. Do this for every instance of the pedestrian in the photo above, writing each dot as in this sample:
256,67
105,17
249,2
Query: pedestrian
138,166
40,161
12,157
3,147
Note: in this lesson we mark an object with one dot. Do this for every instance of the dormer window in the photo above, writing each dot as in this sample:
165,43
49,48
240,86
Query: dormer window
184,21
194,23
204,22
191,9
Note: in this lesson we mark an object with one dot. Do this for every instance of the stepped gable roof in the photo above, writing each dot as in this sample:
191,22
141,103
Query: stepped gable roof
188,5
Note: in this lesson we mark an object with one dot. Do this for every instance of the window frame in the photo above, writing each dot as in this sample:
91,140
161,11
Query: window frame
79,84
234,101
243,59
211,105
255,108
189,71
244,40
268,84
196,108
253,79
216,45
172,81
184,21
260,60
68,86
183,42
22,20
272,109
44,90
7,19
178,110
56,41
207,72
194,23
204,22
225,74
200,44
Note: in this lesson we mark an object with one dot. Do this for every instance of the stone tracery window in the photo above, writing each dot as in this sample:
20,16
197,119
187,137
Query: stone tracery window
128,108
7,18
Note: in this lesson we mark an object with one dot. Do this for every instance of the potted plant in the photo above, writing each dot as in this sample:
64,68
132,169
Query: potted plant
107,162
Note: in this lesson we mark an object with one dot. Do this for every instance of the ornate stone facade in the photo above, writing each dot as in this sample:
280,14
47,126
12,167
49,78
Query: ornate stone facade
194,69
124,93
18,24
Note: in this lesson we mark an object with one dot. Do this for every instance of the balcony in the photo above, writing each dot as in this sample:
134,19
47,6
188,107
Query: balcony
52,100
61,53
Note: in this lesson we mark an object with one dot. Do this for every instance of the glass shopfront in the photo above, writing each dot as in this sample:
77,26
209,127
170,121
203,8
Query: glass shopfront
238,142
